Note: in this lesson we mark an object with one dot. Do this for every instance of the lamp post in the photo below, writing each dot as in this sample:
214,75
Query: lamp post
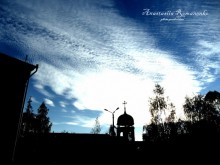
113,125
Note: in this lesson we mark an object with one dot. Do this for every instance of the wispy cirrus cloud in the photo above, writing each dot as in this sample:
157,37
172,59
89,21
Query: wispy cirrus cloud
80,65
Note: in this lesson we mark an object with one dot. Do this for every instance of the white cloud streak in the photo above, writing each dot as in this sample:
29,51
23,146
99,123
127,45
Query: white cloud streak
124,68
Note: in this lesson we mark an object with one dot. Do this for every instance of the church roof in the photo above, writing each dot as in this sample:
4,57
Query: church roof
125,120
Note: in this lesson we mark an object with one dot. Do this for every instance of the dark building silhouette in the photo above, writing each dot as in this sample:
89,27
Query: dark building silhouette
69,148
15,76
125,126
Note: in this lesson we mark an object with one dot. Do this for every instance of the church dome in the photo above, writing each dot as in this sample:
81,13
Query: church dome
125,120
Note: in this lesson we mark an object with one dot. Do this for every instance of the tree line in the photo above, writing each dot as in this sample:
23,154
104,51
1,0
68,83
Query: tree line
202,116
35,122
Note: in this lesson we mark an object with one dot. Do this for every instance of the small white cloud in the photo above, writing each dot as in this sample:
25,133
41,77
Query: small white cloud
63,104
34,100
64,110
71,123
49,102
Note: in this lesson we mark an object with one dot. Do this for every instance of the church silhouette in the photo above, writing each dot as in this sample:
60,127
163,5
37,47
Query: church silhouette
125,126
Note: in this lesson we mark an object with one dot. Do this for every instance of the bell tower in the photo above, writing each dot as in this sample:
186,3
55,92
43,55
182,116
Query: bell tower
125,125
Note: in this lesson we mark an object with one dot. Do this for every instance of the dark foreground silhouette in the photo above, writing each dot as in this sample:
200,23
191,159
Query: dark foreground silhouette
57,148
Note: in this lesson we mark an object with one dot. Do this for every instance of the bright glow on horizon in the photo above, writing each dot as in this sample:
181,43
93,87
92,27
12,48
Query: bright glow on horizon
108,88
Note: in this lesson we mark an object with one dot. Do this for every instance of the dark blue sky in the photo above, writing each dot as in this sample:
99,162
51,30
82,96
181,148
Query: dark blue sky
94,55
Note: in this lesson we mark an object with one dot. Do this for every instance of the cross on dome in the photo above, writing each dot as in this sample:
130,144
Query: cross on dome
124,106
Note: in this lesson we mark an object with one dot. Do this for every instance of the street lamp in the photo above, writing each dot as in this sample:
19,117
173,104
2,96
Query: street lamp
113,125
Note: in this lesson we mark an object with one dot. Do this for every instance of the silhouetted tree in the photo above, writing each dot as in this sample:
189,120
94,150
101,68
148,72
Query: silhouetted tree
203,112
158,105
150,132
172,116
194,108
212,96
43,123
182,127
28,118
97,128
159,108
